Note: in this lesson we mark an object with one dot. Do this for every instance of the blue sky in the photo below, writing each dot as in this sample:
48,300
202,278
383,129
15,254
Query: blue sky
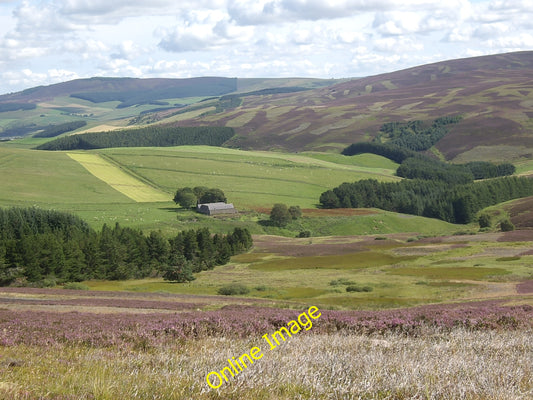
50,41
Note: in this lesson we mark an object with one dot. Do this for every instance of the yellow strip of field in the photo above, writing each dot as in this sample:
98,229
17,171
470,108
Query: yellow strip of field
118,179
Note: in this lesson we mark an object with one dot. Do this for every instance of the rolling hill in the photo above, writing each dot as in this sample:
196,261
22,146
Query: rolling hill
494,94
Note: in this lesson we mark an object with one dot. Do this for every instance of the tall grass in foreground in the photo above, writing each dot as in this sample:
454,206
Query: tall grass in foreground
457,364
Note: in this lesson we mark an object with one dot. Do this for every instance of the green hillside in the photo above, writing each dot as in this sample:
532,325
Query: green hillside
250,179
129,186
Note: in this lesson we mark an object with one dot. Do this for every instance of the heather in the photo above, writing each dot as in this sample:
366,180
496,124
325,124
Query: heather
458,364
132,330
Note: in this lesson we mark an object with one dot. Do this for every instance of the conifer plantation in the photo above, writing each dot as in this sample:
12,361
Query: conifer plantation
43,248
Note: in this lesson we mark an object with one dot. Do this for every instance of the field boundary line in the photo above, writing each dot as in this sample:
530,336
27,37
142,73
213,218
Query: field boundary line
133,174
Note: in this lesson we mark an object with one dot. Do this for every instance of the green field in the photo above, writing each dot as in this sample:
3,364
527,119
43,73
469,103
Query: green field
45,179
249,179
399,272
117,178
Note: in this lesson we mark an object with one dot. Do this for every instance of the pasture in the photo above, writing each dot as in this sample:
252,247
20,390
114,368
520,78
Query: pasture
119,180
135,186
249,179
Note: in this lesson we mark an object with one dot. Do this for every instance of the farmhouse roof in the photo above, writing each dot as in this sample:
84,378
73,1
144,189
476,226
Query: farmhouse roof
217,206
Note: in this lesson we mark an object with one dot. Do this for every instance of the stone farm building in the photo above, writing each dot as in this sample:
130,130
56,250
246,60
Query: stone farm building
216,208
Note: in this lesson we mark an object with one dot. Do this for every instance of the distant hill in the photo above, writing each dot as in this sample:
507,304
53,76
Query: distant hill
494,95
110,103
130,90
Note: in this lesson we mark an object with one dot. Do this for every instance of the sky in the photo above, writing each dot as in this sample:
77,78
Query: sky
51,41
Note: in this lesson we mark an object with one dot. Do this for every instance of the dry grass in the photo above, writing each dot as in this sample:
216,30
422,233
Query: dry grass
118,179
456,365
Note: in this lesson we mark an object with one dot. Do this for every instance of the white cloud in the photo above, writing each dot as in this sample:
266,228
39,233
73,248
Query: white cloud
395,45
29,78
511,43
248,37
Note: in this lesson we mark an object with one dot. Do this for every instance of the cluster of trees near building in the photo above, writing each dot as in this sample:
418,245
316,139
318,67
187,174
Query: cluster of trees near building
188,197
281,215
43,247
151,136
433,188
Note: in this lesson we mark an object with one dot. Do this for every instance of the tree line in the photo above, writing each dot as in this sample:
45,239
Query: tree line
56,130
187,197
404,142
152,136
40,246
430,198
423,167
5,107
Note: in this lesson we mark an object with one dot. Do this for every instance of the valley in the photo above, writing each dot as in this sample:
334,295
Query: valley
394,289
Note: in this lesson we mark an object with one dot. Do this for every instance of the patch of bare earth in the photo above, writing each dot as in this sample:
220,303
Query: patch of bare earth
322,246
334,212
525,287
521,212
517,236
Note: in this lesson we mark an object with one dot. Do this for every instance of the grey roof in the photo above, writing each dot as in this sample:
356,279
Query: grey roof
217,206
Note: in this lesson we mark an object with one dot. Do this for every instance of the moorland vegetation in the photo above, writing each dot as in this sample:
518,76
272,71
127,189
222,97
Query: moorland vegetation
467,328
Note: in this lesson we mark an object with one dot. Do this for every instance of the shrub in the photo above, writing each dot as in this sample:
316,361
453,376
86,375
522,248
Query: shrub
295,212
359,288
506,226
49,282
279,215
304,234
75,286
233,289
484,221
341,281
260,288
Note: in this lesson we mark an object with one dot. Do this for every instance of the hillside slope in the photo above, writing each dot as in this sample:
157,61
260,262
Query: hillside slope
494,93
113,103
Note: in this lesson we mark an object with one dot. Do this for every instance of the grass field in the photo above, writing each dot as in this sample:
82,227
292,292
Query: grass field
399,270
45,178
249,179
134,186
118,179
